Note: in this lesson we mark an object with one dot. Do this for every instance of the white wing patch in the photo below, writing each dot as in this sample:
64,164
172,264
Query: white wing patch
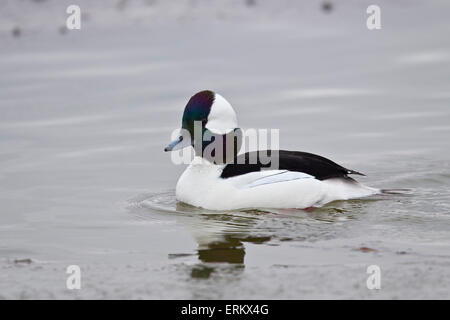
255,179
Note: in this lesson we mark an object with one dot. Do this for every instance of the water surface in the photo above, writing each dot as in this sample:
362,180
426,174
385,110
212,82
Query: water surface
84,179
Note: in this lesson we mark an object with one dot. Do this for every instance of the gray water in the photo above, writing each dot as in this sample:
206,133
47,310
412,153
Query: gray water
85,116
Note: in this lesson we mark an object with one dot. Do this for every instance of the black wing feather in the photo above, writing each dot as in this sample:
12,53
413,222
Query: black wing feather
319,167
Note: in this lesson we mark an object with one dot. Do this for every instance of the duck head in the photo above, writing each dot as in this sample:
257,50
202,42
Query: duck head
209,125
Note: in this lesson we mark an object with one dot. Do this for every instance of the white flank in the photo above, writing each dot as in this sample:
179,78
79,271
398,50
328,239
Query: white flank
200,185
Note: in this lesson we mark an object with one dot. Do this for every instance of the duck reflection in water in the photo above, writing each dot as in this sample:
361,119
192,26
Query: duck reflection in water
221,236
221,239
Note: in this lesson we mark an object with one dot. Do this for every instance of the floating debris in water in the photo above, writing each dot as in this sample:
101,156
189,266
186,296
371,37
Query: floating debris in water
366,249
23,261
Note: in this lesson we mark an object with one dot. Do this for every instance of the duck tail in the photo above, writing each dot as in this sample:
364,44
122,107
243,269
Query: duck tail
355,172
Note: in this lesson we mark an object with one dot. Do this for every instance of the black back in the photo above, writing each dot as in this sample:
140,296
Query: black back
319,167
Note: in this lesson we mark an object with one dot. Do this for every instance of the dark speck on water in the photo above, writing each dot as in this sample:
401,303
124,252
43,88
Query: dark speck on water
250,3
16,32
327,7
62,29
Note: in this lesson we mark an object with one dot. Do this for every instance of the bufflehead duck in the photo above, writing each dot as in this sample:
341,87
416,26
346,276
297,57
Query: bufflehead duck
220,182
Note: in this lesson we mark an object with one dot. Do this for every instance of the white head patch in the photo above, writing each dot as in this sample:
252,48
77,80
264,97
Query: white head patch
222,118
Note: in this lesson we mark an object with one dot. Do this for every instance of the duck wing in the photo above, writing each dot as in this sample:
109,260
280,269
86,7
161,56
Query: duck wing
314,165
